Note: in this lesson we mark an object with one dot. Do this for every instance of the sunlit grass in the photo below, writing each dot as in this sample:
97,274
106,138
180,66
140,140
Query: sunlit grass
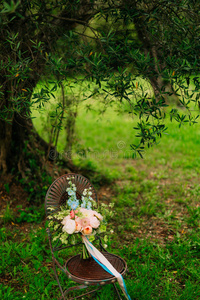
106,134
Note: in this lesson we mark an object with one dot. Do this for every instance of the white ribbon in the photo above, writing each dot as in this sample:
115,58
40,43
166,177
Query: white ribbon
105,264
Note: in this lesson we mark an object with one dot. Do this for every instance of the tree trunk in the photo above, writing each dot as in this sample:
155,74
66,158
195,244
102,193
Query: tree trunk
15,136
161,87
19,140
21,143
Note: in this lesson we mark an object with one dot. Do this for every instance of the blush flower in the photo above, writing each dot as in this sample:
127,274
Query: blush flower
99,216
85,222
87,213
94,222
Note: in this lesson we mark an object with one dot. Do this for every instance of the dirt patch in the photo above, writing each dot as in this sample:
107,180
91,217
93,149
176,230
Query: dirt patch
105,193
12,193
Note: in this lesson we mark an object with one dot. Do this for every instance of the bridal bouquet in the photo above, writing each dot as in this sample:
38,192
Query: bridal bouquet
77,216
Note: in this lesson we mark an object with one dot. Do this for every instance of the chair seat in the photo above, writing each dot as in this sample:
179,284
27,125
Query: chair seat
88,271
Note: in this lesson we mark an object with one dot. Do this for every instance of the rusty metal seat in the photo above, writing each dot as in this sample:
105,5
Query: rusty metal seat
85,272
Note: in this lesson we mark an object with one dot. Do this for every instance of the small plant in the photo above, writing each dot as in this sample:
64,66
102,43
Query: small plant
7,188
194,216
35,192
8,215
30,215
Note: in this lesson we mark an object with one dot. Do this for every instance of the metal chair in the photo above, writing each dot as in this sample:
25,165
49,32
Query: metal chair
85,272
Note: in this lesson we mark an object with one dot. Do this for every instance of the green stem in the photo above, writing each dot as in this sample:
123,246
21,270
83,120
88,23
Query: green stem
85,253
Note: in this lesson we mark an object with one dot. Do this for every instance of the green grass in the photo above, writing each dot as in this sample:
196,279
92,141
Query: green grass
157,214
154,271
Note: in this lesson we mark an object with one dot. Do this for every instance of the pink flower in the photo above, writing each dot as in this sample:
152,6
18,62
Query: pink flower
72,214
87,213
94,222
85,222
70,226
87,230
64,221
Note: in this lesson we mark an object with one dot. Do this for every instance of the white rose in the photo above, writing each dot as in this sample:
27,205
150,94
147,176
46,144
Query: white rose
64,221
70,226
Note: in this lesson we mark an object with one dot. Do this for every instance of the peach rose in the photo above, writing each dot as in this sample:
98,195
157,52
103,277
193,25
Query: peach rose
87,230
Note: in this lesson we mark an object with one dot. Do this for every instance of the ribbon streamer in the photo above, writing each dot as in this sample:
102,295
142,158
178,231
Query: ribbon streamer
105,264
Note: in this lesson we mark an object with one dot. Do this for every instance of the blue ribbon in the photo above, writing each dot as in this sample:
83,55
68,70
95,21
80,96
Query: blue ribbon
106,269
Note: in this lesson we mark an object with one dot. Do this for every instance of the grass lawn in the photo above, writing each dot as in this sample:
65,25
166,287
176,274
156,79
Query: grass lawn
156,222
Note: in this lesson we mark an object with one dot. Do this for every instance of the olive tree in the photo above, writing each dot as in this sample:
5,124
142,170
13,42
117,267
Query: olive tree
29,33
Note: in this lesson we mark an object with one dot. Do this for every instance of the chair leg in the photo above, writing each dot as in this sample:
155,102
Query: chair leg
117,292
56,275
77,288
73,288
